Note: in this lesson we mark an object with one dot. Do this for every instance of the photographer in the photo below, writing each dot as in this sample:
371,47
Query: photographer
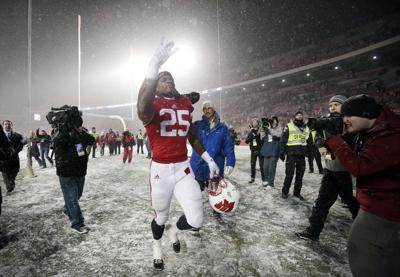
254,140
336,180
295,143
271,148
373,157
70,144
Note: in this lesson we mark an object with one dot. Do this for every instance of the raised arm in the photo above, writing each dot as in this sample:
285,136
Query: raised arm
148,89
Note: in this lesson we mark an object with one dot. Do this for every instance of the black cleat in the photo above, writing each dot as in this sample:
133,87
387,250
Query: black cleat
284,195
176,246
158,264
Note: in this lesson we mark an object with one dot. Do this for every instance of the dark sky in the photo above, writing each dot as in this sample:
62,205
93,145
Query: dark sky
249,31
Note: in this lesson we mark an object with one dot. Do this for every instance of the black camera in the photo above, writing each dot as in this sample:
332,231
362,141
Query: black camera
193,96
333,122
265,122
66,117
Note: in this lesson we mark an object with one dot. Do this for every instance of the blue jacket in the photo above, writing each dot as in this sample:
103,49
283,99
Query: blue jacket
272,148
217,143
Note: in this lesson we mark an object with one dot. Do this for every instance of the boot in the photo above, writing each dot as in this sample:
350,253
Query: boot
30,172
309,234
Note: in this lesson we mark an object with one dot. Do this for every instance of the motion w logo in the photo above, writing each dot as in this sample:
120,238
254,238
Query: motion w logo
225,206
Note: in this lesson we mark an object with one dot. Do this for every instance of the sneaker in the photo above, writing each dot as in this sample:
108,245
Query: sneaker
251,181
265,184
158,262
172,232
285,195
299,196
83,229
308,234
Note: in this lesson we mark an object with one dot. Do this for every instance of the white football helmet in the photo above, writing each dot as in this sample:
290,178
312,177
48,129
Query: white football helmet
225,197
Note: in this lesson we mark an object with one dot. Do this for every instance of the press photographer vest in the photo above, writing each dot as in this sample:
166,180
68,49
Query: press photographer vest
296,136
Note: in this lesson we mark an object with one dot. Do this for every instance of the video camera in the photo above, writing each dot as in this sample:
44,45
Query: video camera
265,122
333,121
65,117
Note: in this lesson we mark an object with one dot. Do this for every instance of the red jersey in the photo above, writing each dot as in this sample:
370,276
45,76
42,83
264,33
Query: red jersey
168,129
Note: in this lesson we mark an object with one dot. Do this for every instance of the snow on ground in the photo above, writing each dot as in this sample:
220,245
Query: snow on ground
258,240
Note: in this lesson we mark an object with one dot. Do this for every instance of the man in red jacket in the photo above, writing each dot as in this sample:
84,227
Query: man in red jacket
373,157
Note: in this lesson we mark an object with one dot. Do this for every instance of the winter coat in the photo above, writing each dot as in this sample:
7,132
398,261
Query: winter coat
111,137
218,143
271,143
128,140
17,141
7,150
33,146
373,157
45,140
66,145
254,140
102,140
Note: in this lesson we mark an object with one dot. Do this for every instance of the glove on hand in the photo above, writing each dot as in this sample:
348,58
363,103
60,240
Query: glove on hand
162,53
228,170
214,170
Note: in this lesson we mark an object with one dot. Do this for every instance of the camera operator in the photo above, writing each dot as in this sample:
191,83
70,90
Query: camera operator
373,157
254,139
271,148
70,144
7,151
336,180
295,143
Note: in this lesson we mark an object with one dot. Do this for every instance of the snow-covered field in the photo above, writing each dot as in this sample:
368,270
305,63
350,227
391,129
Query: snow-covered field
258,240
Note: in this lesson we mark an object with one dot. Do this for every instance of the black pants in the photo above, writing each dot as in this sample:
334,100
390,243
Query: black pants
294,163
317,156
331,184
94,146
140,145
254,156
9,178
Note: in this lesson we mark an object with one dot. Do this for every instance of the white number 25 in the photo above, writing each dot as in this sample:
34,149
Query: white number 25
175,116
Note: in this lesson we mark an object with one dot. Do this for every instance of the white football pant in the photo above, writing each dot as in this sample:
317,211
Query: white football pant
175,179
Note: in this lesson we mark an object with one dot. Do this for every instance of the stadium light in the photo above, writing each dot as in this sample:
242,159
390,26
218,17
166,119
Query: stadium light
336,67
244,88
283,80
308,74
375,57
263,85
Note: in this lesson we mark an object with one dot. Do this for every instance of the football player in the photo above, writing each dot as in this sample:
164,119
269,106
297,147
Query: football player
166,117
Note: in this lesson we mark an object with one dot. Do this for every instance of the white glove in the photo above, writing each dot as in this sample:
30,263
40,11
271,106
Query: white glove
228,170
214,170
161,55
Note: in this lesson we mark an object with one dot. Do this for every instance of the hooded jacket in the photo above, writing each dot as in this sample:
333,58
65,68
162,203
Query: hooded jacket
217,142
373,157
